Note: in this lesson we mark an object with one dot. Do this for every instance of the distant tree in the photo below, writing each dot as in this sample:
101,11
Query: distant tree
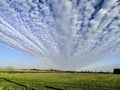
34,69
116,71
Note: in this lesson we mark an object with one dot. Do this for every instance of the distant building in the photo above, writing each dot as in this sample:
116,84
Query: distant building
116,71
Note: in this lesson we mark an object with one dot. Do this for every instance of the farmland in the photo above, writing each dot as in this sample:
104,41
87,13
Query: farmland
59,81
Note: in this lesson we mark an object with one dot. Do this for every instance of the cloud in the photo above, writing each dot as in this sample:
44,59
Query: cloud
65,34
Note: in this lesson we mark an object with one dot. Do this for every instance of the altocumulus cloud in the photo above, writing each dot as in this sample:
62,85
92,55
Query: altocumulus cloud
65,34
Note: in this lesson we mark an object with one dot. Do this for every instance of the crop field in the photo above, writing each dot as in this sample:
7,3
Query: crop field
59,81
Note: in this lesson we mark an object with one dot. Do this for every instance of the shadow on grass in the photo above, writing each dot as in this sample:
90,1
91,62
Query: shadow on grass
26,87
53,88
82,87
29,88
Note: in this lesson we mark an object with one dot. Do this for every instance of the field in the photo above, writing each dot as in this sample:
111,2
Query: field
59,81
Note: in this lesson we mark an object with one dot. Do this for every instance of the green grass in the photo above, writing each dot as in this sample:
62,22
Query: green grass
65,81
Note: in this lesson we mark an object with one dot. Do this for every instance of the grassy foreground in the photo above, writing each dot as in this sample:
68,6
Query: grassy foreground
59,81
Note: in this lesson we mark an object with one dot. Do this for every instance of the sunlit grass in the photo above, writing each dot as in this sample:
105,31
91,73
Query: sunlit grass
65,81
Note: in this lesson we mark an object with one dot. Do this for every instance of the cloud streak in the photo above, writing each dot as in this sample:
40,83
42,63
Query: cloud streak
64,34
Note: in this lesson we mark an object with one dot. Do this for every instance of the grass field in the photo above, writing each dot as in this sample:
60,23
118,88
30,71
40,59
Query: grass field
59,81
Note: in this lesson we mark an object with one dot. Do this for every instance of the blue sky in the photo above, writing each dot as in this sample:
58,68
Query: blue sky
17,59
105,65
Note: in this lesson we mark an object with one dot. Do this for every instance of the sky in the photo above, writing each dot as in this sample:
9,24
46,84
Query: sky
10,57
60,34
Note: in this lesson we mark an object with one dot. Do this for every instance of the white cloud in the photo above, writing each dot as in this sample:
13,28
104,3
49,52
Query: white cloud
63,33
